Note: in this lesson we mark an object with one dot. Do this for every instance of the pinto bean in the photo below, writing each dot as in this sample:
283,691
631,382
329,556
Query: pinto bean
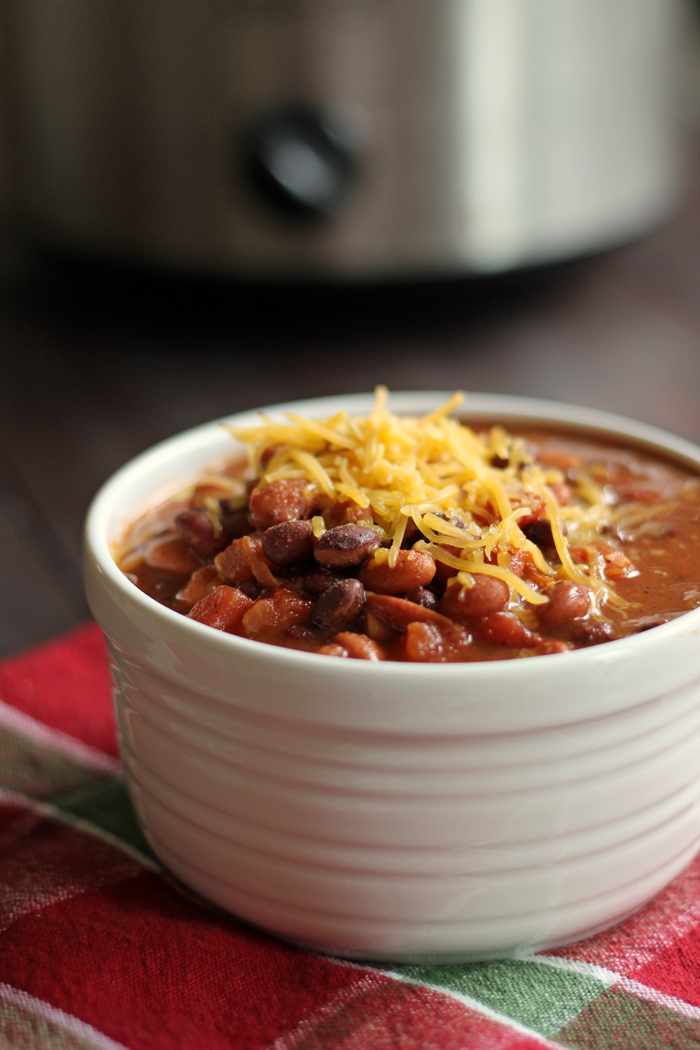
201,530
282,500
289,542
422,596
172,556
345,546
504,628
398,613
358,646
278,612
412,569
488,595
567,601
223,609
340,605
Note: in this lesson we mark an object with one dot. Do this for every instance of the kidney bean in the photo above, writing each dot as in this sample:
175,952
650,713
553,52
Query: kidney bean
340,605
591,632
412,569
345,546
224,609
317,581
504,628
300,634
422,596
201,530
201,583
172,556
488,595
278,612
332,649
346,512
358,646
567,601
397,613
289,542
282,500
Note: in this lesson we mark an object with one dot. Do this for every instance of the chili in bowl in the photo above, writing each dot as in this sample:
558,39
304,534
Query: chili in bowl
495,750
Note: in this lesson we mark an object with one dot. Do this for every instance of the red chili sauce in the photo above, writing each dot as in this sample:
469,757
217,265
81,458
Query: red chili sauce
252,564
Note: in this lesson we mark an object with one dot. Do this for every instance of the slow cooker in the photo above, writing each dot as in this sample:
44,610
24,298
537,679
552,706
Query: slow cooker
355,139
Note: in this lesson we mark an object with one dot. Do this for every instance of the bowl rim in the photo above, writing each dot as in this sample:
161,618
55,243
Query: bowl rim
510,408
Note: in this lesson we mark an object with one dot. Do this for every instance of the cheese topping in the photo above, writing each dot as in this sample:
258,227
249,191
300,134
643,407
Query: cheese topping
464,496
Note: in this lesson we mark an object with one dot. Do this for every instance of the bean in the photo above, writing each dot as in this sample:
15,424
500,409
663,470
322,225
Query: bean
488,595
397,613
345,546
539,532
346,512
412,569
592,633
289,542
283,500
250,587
504,628
422,596
223,609
278,612
300,634
201,530
235,524
172,556
340,605
567,601
359,646
318,581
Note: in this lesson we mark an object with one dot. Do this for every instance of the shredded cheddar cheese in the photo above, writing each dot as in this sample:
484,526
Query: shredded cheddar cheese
461,495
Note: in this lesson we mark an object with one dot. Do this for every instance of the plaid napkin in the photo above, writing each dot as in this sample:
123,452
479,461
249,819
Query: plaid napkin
101,948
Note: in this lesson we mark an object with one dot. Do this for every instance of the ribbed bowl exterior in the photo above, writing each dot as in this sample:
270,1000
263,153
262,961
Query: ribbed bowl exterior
397,811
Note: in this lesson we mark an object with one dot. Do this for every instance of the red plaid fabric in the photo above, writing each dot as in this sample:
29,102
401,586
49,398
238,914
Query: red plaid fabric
100,947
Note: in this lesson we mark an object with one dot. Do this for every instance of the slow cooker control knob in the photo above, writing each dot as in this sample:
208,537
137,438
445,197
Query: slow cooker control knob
302,161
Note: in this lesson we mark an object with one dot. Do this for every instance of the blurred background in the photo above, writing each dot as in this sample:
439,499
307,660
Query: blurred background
209,205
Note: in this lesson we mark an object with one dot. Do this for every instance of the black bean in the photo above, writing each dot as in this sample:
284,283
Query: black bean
289,542
539,532
422,596
345,546
235,524
318,580
251,588
340,605
201,530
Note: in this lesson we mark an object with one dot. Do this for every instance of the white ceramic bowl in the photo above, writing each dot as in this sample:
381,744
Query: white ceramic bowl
401,811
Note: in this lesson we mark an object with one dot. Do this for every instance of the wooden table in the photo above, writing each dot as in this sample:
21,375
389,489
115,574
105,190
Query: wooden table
98,363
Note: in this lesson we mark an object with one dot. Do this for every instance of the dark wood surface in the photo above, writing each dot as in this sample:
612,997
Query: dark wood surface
99,362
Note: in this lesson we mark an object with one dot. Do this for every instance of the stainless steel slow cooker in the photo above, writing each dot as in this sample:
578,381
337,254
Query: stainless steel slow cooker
341,138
